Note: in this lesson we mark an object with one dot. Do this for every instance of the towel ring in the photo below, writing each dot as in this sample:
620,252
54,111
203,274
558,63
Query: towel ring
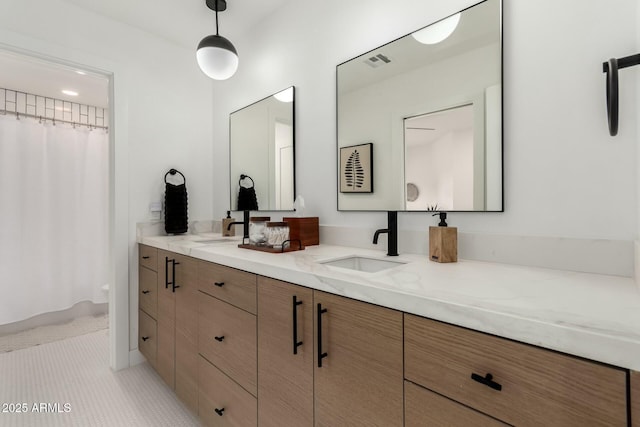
173,172
610,68
243,176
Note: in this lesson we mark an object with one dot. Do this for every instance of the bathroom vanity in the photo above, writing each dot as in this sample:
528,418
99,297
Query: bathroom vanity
297,339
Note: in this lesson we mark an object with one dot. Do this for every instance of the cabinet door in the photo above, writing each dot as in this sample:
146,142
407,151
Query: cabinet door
186,330
165,362
423,407
635,399
148,291
222,402
147,337
359,346
285,375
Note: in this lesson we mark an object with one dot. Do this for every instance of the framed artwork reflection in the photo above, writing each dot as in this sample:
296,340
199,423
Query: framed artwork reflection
356,168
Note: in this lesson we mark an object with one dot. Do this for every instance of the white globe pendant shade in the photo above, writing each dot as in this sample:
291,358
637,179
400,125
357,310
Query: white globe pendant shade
435,33
217,57
285,95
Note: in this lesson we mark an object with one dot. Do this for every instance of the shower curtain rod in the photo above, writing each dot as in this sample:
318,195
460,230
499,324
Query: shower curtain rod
52,120
23,104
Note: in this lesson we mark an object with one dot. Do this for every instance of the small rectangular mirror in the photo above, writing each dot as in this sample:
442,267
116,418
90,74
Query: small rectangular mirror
429,106
262,154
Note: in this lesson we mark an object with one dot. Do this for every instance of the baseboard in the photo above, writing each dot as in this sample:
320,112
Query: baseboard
136,358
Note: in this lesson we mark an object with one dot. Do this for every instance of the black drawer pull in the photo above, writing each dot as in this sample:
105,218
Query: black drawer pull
166,272
173,283
145,338
321,354
219,411
145,257
220,338
145,292
296,343
219,284
487,380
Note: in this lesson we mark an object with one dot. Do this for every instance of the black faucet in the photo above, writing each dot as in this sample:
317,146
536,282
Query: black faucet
245,224
392,231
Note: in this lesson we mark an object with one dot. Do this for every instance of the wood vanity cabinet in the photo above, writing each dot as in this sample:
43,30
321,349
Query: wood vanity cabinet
358,363
421,405
634,386
227,346
285,354
148,302
516,383
177,354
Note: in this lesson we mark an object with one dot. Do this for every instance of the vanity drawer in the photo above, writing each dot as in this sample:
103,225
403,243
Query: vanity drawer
147,337
421,404
148,291
148,257
227,338
228,284
217,391
538,386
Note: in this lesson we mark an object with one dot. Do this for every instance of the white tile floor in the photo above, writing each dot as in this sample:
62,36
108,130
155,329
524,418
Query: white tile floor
72,382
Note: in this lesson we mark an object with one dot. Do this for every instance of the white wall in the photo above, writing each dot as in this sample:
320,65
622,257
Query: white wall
162,104
564,176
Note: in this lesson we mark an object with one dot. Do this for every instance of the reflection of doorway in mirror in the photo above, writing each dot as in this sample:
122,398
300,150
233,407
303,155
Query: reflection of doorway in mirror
284,166
439,159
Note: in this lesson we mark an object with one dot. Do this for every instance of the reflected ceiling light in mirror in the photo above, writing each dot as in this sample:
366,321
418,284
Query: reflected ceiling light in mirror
435,33
285,95
70,92
216,55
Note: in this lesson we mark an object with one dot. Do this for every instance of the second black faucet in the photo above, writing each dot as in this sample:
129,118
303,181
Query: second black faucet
392,233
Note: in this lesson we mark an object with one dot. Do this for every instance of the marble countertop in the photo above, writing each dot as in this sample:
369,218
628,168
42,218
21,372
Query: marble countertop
588,315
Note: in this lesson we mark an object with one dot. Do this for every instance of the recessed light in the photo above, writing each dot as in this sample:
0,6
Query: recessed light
82,73
70,92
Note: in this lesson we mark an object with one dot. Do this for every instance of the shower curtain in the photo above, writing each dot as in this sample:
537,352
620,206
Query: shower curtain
53,217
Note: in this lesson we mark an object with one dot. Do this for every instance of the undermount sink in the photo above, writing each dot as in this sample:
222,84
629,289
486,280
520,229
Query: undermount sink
360,263
221,240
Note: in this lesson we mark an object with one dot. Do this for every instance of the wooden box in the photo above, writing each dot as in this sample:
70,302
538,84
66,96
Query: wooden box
443,244
307,229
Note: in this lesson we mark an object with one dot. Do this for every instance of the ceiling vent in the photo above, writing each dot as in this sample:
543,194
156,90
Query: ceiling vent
377,60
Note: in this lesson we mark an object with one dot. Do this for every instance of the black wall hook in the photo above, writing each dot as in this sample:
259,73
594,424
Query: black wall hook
610,68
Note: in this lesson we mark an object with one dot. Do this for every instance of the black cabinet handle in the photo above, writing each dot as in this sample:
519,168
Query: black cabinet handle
166,272
487,380
145,257
321,355
219,411
145,338
220,338
296,343
173,283
219,284
145,292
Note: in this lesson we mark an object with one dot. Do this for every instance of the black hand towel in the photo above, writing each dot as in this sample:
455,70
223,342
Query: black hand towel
247,200
175,205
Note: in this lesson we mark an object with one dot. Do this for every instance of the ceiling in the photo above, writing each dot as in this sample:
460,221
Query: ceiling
184,22
38,77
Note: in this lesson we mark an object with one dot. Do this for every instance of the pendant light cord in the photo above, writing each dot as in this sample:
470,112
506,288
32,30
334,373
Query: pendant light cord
216,17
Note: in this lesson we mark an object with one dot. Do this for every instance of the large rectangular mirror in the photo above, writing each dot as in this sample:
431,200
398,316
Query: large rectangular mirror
428,109
262,157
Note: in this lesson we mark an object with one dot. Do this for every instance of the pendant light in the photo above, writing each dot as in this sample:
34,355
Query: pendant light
439,31
217,57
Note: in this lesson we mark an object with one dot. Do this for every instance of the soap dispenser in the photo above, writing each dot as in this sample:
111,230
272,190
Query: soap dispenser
226,231
443,241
